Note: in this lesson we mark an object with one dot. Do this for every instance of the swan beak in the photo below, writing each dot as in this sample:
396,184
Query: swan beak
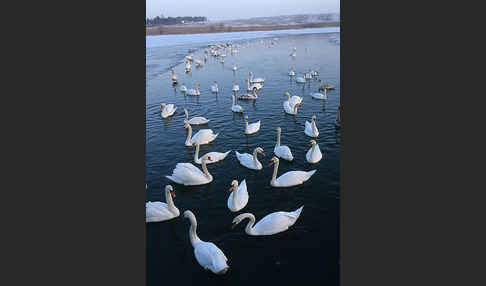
271,163
231,189
173,194
264,154
233,225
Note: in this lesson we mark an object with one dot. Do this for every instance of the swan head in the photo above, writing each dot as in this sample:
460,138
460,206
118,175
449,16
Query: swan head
273,161
186,125
162,105
238,219
314,118
170,189
207,157
246,118
287,94
188,214
312,142
260,150
279,129
234,183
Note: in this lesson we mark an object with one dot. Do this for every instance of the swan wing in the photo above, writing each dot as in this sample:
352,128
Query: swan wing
245,160
293,178
283,152
210,257
187,174
203,136
273,223
242,195
314,157
157,211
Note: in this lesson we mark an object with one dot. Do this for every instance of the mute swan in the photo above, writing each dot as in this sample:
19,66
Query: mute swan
292,110
174,76
294,53
167,110
314,154
271,224
207,254
300,79
235,67
294,99
238,197
309,74
159,211
249,161
255,80
329,87
183,88
194,91
251,128
248,96
203,136
214,87
253,87
282,151
236,88
215,156
291,72
189,175
311,128
289,179
235,107
189,58
199,63
320,95
188,67
195,120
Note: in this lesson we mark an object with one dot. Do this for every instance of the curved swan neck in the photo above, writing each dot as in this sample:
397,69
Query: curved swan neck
314,127
196,154
192,231
313,148
275,170
255,157
295,108
278,137
168,199
189,134
251,223
187,114
205,170
235,190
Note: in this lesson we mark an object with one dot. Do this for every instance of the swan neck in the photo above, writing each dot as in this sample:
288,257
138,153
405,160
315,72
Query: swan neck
251,223
278,138
189,134
233,97
168,199
255,157
187,114
275,170
313,148
192,231
234,195
205,170
196,154
314,127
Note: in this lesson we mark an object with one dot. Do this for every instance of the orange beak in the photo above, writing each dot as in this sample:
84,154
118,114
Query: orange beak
231,189
173,194
271,163
209,158
264,154
233,225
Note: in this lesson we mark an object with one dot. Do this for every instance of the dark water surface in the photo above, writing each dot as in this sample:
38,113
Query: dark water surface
306,254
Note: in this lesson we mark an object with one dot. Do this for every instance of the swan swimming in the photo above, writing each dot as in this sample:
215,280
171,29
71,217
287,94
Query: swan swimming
214,87
183,88
251,128
292,110
294,99
198,120
235,88
320,95
167,110
194,91
188,67
311,128
174,76
215,156
282,151
294,53
238,197
159,211
253,87
189,175
291,72
235,107
248,96
207,254
249,161
288,179
300,79
314,154
203,136
255,80
270,224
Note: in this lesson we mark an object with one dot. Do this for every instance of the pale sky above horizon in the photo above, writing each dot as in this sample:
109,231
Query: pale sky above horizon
238,9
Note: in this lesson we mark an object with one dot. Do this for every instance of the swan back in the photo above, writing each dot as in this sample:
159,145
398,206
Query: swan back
293,178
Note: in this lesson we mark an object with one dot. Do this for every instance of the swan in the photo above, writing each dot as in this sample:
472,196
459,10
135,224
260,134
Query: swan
167,110
292,110
199,63
249,161
215,156
329,87
314,154
254,87
194,91
282,151
188,67
159,211
207,254
214,87
291,72
311,128
271,224
238,197
294,99
235,107
195,120
320,95
236,88
205,58
294,53
309,74
189,175
174,76
251,128
203,136
248,96
289,179
183,88
255,80
189,58
235,67
300,79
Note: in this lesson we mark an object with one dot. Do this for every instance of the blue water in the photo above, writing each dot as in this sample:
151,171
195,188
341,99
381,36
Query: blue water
309,251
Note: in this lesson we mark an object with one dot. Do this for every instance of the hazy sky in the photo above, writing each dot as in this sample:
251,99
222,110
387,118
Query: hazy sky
238,9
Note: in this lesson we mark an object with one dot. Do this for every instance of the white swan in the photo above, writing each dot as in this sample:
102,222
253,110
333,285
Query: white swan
174,76
194,91
271,224
189,58
183,88
235,107
311,128
248,96
256,80
249,161
207,254
215,156
167,110
203,136
290,109
314,154
238,197
282,151
309,74
189,175
188,67
214,87
294,99
254,87
235,67
289,179
320,95
294,53
195,120
159,211
251,128
300,79
199,63
236,87
291,72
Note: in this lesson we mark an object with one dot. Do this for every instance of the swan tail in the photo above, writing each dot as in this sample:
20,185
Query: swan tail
226,154
297,212
172,178
310,173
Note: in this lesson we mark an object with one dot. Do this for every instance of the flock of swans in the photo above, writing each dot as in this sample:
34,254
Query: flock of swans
208,255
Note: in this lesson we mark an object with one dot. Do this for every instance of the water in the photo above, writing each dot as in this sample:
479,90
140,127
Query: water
309,251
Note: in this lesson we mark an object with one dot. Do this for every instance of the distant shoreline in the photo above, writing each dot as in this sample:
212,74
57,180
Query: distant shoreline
177,30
